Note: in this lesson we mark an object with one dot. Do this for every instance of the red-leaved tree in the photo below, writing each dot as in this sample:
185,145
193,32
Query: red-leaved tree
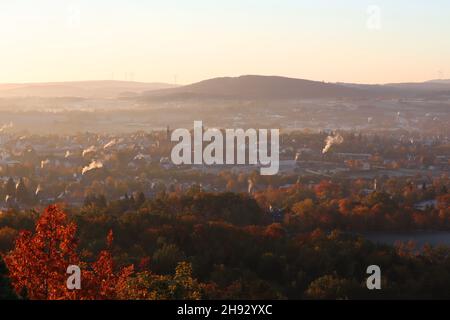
38,263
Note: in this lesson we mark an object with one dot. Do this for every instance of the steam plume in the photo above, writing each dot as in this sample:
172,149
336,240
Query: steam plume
93,165
44,163
110,144
251,186
89,150
6,126
330,141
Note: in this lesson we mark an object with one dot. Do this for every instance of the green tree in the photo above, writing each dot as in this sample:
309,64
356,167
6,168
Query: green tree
166,258
331,287
149,286
6,291
22,193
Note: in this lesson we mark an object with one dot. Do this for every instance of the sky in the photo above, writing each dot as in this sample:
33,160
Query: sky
184,41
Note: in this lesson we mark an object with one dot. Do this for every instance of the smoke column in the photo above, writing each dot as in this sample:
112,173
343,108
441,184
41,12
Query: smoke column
330,141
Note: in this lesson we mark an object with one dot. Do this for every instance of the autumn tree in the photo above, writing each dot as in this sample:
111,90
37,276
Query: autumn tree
39,261
101,281
327,190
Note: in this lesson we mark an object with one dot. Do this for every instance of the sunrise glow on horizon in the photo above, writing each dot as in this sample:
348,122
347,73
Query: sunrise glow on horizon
188,41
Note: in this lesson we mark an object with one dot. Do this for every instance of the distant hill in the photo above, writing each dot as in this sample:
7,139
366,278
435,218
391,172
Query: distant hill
275,87
445,81
432,85
82,89
253,87
259,87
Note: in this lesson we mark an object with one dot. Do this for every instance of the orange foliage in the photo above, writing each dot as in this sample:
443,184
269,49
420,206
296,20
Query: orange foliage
275,231
327,189
39,261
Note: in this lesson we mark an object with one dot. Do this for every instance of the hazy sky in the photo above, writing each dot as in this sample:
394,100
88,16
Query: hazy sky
192,40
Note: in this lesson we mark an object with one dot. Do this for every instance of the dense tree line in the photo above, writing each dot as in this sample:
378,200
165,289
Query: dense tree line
225,245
